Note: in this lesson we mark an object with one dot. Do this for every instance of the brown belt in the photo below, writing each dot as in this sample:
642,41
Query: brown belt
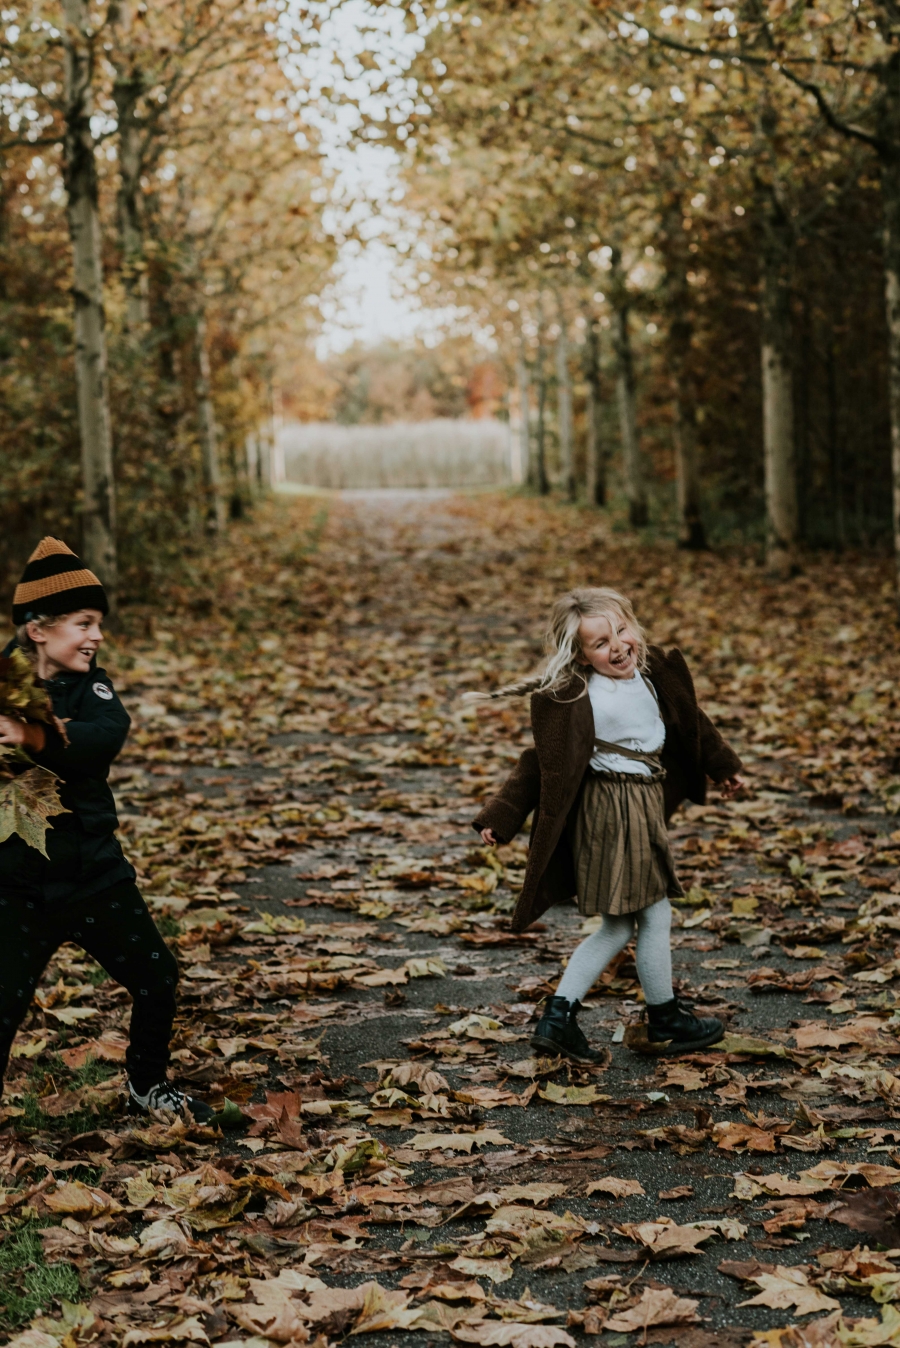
605,747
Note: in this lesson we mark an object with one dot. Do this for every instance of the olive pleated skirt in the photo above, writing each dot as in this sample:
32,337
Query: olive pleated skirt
620,844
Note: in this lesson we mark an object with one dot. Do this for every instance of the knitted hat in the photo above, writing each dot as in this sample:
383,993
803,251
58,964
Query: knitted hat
56,581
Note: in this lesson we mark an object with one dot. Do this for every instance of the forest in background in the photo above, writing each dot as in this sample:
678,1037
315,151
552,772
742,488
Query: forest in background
679,224
664,234
161,236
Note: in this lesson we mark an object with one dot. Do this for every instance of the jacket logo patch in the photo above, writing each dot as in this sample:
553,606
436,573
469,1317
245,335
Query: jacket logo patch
102,691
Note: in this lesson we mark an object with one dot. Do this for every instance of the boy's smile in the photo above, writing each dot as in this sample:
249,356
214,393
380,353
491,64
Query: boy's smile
609,652
70,644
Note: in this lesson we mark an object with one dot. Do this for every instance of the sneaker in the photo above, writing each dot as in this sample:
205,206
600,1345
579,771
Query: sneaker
557,1032
673,1028
167,1099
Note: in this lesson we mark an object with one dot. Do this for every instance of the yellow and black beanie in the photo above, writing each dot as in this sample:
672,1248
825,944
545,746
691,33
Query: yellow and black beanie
56,581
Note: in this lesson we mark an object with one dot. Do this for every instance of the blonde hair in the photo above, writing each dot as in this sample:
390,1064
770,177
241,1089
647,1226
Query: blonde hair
43,621
563,643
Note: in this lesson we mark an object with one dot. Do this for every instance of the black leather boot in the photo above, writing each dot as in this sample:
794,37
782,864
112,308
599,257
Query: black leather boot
676,1029
557,1032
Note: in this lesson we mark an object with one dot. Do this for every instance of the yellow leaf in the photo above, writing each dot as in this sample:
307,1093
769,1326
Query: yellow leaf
26,804
571,1095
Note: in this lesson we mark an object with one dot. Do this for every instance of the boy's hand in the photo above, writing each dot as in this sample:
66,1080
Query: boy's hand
24,734
487,836
11,731
731,786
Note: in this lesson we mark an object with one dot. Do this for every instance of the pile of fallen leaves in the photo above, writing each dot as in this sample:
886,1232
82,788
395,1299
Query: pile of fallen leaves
387,1155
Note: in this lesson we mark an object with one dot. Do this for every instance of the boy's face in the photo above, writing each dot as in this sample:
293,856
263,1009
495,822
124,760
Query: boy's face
611,650
71,644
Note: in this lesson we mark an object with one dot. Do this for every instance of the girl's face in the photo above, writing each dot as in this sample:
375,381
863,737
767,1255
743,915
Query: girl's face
608,647
69,644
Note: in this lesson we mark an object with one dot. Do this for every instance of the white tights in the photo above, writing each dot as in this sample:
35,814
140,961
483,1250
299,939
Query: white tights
653,954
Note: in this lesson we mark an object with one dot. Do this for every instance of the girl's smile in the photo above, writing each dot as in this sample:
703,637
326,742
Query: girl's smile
609,652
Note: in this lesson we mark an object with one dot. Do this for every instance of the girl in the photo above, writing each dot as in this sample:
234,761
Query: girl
619,743
84,890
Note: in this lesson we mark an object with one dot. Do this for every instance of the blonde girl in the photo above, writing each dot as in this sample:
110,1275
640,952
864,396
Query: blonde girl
619,743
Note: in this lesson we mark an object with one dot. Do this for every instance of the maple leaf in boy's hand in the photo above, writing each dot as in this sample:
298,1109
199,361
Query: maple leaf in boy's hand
26,804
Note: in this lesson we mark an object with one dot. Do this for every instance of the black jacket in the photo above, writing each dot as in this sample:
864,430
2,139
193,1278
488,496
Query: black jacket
85,855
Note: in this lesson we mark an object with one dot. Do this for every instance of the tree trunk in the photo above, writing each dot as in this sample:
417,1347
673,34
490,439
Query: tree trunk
595,465
834,450
691,533
209,435
527,467
127,90
564,410
91,373
632,466
542,481
778,391
890,194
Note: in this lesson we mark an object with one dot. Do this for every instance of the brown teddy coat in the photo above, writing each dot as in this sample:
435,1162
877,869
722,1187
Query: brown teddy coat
547,778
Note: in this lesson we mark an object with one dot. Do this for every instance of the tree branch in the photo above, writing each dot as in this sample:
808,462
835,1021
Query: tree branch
848,129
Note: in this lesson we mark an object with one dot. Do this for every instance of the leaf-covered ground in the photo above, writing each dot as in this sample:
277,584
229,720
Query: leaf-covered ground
391,1160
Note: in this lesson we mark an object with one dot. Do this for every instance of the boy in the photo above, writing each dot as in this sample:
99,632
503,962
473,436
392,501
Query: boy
86,892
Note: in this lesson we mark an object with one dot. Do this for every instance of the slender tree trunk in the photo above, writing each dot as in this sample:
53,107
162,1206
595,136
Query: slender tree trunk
691,533
778,392
834,446
595,464
528,467
890,195
564,409
91,372
209,435
632,465
543,482
127,90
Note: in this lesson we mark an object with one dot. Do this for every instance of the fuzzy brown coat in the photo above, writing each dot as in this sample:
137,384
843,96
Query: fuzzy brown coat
547,778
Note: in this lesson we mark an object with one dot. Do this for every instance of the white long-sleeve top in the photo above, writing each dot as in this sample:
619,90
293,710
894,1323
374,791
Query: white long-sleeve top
626,713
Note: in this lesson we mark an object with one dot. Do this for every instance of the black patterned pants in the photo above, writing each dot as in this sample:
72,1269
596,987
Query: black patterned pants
116,929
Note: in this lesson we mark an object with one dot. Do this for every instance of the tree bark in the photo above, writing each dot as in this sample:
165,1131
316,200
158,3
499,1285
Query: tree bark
542,481
890,191
632,465
564,409
127,90
528,468
778,391
595,462
91,371
209,434
691,533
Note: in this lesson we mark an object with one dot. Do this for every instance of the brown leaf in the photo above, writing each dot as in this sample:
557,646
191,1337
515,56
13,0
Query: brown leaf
876,1212
786,1288
617,1188
657,1306
509,1333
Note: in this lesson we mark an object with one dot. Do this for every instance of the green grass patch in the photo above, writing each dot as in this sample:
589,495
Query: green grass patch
29,1284
93,1073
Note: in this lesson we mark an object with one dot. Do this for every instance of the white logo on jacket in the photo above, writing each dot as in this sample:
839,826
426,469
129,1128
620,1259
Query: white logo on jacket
102,691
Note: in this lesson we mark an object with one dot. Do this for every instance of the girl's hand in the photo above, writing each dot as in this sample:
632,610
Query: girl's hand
731,786
11,731
487,836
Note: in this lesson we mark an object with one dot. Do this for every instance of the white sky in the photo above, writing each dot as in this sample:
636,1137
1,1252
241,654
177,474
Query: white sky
367,302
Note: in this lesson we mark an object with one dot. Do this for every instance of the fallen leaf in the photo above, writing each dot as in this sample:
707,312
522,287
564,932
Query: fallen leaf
786,1288
617,1188
657,1306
